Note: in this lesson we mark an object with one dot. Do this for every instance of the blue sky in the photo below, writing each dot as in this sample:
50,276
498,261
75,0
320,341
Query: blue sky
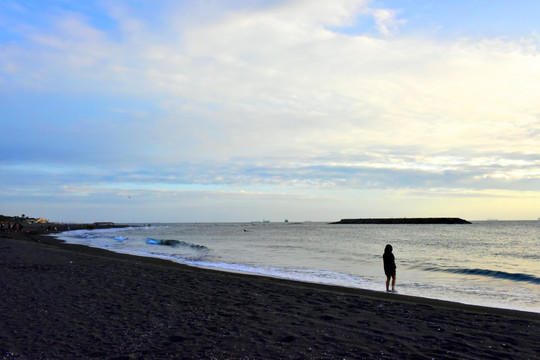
146,111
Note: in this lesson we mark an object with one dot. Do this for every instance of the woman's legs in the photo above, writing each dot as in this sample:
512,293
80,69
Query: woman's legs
388,282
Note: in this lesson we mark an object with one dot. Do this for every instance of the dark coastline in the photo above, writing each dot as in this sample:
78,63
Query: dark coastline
62,301
449,221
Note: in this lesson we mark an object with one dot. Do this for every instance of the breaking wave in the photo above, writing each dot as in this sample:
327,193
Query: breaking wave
177,243
490,273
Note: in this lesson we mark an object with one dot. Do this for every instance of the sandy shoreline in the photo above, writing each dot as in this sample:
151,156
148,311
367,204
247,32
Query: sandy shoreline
63,301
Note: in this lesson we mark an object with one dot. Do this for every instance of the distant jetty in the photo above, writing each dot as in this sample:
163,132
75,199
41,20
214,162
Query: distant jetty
404,221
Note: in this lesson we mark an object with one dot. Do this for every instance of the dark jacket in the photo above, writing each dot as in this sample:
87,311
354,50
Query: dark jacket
389,264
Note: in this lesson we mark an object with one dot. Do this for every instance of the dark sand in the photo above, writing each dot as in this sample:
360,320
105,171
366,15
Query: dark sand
60,301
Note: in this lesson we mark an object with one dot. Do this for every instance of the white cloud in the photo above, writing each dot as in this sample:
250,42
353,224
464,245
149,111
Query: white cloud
280,71
386,21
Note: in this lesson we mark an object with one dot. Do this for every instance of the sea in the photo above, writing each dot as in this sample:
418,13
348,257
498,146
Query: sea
489,263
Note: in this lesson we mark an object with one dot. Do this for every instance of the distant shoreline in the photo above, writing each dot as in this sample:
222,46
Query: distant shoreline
403,221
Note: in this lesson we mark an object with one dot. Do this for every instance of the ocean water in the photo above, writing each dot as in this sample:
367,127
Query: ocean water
490,263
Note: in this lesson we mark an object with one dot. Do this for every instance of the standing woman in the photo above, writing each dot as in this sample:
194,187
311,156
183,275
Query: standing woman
389,266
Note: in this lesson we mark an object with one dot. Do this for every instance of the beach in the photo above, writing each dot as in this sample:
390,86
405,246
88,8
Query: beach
61,301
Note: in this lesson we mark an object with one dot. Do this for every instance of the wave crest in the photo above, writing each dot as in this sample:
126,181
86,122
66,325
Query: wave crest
490,273
176,243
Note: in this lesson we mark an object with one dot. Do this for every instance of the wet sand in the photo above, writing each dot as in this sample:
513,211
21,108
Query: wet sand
61,301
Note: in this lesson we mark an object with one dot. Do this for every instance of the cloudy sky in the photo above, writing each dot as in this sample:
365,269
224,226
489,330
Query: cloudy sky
217,110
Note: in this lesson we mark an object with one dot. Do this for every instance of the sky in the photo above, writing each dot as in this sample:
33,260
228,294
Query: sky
222,111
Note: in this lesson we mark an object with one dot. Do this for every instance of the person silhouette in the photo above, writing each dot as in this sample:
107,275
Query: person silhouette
389,262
